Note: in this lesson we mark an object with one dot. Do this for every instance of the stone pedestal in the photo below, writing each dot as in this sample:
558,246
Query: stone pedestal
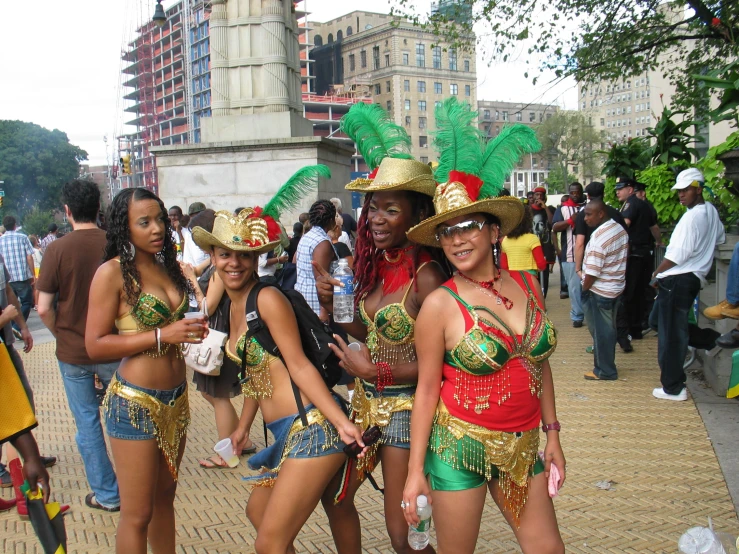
229,174
717,362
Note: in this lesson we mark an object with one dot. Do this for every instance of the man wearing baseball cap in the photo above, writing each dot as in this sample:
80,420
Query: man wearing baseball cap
679,279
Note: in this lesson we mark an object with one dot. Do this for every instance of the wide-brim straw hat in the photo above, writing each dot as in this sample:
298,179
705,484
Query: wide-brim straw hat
245,232
397,174
452,200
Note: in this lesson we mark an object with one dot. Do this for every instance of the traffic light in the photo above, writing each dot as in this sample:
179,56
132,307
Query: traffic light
126,165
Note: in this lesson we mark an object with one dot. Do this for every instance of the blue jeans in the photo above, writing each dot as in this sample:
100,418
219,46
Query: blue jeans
600,316
24,291
79,383
675,298
732,286
574,287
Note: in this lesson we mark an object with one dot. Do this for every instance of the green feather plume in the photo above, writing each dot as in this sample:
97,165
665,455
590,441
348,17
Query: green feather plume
457,139
502,154
376,135
303,182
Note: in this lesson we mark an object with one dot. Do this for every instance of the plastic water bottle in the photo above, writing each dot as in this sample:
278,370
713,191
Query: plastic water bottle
418,535
344,296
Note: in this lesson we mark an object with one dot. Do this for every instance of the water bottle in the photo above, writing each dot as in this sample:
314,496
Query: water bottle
343,296
418,535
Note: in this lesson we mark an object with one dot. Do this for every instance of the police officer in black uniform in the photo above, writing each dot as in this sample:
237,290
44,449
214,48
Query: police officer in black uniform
640,189
639,219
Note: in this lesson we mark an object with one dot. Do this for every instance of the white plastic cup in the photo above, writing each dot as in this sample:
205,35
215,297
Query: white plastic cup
225,450
194,315
355,346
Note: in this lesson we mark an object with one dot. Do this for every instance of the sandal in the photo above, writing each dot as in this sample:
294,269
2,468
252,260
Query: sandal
91,502
249,450
214,462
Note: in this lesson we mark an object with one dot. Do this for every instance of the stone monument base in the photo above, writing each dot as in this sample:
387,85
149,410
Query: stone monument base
272,125
227,175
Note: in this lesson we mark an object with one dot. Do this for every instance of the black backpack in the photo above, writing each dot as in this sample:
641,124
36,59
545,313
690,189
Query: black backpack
314,336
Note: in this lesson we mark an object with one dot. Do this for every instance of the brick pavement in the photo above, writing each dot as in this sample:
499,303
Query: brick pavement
657,454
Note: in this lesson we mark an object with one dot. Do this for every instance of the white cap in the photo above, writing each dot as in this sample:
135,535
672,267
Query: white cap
688,177
422,501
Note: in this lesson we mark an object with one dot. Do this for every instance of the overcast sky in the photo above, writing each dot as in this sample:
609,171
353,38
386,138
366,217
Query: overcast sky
61,64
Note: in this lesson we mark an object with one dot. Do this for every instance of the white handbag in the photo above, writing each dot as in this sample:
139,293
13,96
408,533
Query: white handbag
206,357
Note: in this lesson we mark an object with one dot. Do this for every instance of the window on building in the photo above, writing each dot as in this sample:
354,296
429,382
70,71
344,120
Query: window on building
467,65
352,62
486,114
363,59
505,116
349,31
424,159
453,89
378,89
421,86
405,58
533,178
389,105
407,85
318,40
423,141
376,57
532,117
497,115
422,105
387,60
408,118
407,105
437,88
330,38
519,116
387,86
534,162
436,52
421,122
467,90
602,121
339,36
420,55
453,59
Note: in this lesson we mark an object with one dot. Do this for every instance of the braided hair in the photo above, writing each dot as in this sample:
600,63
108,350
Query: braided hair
322,214
119,244
367,257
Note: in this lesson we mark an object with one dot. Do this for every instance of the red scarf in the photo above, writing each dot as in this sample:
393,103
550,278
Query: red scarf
396,268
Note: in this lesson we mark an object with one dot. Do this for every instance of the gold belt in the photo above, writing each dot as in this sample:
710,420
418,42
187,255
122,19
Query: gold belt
170,420
513,454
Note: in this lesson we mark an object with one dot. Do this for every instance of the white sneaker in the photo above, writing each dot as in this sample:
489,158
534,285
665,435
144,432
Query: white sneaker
662,395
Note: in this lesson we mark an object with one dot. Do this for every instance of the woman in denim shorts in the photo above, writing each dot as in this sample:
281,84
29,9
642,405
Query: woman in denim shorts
141,290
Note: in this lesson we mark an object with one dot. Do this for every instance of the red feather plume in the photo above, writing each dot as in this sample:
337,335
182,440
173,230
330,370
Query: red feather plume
471,183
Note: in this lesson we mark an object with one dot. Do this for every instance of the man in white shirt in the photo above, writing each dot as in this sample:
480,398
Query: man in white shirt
679,279
267,266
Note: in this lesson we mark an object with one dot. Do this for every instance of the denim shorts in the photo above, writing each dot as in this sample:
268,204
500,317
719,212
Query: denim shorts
118,422
397,432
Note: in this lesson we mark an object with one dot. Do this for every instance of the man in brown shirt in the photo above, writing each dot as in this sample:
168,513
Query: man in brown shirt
67,269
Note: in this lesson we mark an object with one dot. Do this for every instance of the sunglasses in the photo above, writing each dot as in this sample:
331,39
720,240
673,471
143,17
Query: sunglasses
463,229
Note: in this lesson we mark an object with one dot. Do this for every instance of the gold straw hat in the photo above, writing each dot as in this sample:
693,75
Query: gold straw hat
397,174
245,232
453,199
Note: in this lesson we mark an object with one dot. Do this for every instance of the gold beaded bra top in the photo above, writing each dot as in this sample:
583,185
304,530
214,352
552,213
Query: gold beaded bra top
257,383
390,335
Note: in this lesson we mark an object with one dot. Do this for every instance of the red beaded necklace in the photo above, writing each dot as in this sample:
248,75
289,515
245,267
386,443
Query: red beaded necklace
490,286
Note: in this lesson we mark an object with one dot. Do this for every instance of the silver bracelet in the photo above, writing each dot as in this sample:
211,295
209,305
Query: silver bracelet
158,333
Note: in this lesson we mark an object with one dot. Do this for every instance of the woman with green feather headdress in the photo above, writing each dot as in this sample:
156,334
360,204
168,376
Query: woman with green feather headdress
483,340
393,278
304,458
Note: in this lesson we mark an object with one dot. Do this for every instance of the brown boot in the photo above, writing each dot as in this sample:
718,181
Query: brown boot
719,311
16,474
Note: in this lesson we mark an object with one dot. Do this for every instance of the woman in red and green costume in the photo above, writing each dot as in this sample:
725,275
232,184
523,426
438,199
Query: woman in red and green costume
393,278
483,339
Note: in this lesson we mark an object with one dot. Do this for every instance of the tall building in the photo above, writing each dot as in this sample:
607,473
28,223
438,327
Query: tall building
395,64
533,170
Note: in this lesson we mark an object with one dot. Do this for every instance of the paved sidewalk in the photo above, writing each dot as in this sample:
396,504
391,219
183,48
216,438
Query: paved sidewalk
664,473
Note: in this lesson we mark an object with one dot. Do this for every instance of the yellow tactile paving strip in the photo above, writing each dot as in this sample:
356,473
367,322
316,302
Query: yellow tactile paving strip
665,474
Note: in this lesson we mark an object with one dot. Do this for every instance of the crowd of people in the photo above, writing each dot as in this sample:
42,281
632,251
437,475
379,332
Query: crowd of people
448,373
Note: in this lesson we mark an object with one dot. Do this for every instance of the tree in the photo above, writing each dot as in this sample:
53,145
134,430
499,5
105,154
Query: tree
559,182
594,40
624,159
35,163
36,222
569,140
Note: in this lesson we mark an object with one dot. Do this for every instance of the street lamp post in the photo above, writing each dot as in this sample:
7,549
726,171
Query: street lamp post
160,18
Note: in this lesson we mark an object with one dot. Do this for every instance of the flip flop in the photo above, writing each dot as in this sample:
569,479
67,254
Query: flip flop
214,464
91,502
249,450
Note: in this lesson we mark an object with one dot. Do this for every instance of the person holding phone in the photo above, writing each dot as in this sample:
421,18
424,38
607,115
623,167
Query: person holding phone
483,340
141,291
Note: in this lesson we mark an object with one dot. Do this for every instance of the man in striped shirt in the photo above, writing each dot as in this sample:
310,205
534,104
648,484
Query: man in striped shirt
603,280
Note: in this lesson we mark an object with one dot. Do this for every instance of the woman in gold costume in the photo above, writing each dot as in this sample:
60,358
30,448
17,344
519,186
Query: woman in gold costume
140,290
483,340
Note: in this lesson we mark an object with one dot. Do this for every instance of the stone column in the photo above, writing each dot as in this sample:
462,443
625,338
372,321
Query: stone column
220,99
274,71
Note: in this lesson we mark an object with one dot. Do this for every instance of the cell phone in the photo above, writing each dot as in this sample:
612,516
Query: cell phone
370,437
653,282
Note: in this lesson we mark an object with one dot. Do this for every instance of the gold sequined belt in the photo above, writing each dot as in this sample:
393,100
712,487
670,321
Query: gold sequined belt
170,420
513,454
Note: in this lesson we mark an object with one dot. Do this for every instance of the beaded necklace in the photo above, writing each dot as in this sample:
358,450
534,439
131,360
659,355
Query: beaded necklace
485,286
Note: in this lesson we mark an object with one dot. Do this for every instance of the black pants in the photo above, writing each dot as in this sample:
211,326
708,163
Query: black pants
631,312
544,280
